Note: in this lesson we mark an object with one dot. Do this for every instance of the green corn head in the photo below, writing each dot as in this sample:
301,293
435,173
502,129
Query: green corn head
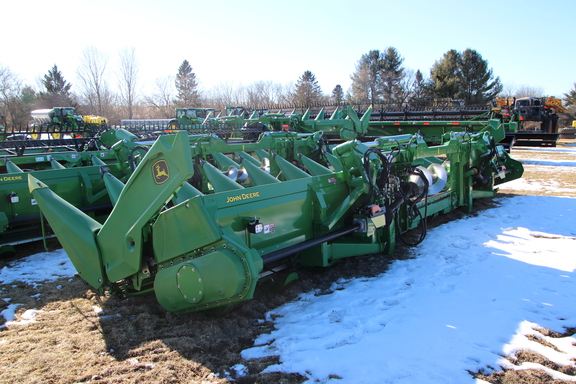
200,221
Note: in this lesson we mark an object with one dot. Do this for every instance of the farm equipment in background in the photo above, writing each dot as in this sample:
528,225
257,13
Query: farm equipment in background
245,113
245,123
191,116
432,124
22,221
200,220
516,114
195,121
145,127
238,122
59,121
543,111
54,129
75,175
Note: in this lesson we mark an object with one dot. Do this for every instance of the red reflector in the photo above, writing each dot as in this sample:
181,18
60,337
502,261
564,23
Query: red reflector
456,123
426,123
396,123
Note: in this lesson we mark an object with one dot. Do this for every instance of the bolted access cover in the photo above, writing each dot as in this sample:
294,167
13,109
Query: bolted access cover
190,283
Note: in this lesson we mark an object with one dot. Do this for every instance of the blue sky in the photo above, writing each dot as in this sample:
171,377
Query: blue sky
526,43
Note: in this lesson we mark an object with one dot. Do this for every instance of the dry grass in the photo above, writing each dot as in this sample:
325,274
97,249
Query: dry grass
554,181
134,340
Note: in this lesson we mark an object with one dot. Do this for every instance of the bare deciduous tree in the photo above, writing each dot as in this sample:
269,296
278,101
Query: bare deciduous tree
257,94
570,99
163,96
128,79
405,87
10,88
224,94
366,79
94,87
265,93
529,91
508,91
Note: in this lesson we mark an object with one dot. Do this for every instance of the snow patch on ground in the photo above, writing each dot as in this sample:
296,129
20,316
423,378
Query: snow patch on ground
38,268
455,307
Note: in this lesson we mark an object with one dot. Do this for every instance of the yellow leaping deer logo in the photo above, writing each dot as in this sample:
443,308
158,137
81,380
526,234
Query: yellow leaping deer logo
160,172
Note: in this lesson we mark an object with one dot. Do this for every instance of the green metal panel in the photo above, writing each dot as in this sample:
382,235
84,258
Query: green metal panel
258,176
75,231
289,171
160,173
219,181
173,228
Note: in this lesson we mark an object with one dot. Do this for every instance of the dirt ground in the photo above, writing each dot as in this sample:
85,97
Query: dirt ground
80,337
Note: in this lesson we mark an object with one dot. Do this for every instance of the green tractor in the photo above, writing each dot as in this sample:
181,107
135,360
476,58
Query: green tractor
190,117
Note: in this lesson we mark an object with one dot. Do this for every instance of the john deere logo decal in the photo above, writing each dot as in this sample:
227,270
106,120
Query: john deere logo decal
160,172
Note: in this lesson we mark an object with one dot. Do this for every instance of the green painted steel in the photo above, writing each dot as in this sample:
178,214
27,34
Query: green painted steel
187,226
75,232
305,143
75,176
151,186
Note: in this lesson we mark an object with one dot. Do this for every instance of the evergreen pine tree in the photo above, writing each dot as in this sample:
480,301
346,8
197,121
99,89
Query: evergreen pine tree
57,93
338,95
55,83
445,76
308,91
187,87
378,77
391,75
477,83
419,94
464,76
570,97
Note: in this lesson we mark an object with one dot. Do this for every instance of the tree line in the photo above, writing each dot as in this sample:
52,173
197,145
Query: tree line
380,77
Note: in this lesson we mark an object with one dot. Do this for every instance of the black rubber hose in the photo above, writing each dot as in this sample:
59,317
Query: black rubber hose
275,256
